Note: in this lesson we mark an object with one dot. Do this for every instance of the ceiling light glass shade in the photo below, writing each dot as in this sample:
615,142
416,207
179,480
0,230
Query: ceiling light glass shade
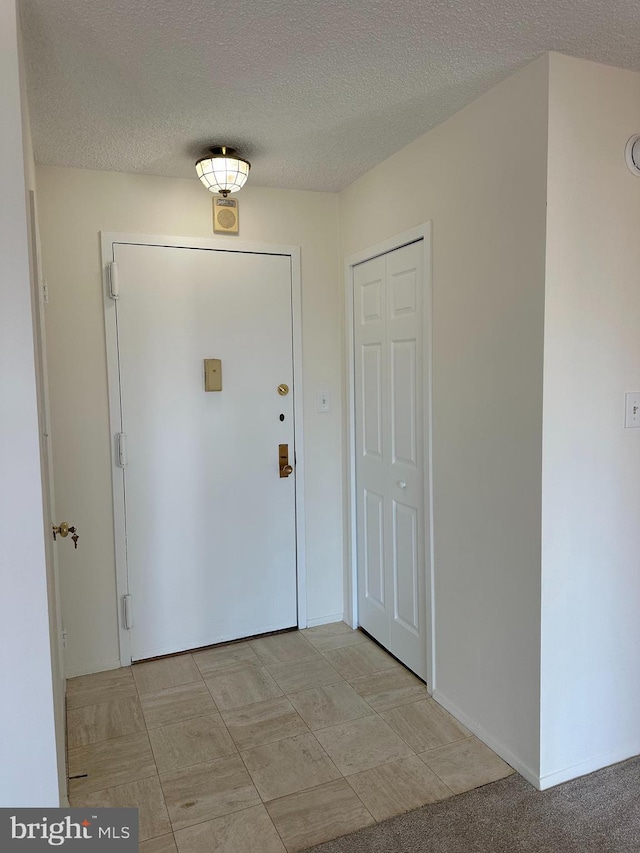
224,171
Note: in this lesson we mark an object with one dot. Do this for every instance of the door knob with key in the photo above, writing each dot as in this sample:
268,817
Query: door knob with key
64,530
283,457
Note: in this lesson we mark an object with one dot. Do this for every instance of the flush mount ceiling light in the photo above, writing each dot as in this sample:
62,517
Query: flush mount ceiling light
632,154
223,171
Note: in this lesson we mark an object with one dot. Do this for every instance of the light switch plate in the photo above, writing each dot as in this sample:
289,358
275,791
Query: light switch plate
632,410
324,401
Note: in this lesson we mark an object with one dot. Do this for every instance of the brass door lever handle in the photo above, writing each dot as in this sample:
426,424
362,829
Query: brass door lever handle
283,458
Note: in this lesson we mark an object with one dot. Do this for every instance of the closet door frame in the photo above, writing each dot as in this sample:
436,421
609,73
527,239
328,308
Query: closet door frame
422,232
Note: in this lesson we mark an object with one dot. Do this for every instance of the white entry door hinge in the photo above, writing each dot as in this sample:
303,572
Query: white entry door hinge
45,292
121,450
127,616
114,285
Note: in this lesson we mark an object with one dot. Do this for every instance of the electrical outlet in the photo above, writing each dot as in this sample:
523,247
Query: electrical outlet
632,410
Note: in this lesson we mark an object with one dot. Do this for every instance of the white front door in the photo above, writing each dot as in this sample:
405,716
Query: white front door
210,523
390,458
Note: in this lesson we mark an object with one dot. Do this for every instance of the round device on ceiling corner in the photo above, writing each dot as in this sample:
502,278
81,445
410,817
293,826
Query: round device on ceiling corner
632,154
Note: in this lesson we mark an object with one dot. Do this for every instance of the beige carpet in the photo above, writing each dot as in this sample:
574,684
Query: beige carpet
599,813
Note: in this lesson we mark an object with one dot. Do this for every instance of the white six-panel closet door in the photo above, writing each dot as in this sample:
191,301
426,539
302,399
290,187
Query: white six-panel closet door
390,452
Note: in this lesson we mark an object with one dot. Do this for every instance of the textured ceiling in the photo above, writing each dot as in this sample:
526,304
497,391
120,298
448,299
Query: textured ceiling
313,92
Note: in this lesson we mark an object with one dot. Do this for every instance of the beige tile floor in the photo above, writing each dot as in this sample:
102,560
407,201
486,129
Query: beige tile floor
272,744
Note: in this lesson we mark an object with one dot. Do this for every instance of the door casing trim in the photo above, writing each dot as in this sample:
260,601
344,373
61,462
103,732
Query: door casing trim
107,241
421,232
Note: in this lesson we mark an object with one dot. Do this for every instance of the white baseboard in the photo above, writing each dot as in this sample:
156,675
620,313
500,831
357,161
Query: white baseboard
324,620
548,780
487,738
90,668
597,762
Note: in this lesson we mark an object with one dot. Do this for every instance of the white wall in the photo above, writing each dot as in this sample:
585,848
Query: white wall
74,206
28,768
481,179
591,486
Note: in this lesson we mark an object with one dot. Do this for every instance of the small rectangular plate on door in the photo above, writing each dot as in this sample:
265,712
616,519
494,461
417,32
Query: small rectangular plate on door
212,374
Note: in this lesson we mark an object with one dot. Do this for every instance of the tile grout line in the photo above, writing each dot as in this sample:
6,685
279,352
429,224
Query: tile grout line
379,715
198,763
360,798
108,739
211,819
328,756
144,731
164,800
457,740
102,702
238,707
276,740
184,720
172,687
273,824
315,787
113,787
451,793
103,740
264,802
375,820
